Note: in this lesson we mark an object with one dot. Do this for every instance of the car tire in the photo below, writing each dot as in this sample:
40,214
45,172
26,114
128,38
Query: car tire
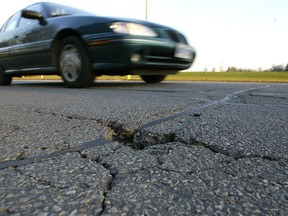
4,78
153,78
75,64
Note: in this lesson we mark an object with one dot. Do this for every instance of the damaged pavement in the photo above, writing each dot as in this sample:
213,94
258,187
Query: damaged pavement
134,149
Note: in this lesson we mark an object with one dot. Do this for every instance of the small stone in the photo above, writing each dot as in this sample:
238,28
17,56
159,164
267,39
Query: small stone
9,196
73,213
249,190
274,188
42,197
114,210
43,186
62,213
24,199
225,194
56,208
196,114
71,192
2,210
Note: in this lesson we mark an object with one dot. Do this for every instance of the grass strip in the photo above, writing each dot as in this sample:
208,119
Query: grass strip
273,77
278,77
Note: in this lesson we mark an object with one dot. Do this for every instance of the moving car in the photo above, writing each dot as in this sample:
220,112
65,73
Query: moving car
47,39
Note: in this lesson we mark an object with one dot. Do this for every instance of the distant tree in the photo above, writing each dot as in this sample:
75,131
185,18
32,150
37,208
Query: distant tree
235,69
232,69
286,68
277,68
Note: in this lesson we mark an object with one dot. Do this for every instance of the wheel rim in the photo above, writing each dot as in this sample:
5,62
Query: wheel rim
70,63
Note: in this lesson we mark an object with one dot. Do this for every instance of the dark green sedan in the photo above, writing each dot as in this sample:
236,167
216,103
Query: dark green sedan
48,39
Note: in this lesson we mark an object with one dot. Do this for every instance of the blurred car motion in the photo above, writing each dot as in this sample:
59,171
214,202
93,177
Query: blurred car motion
53,39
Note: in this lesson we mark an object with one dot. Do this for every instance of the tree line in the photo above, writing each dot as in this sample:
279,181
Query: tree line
273,68
279,68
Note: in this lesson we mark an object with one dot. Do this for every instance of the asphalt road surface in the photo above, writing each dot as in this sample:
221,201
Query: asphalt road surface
130,148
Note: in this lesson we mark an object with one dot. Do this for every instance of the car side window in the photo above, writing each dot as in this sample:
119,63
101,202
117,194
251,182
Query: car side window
12,23
4,27
26,22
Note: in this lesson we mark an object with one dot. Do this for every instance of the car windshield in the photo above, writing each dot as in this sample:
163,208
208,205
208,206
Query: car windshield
56,10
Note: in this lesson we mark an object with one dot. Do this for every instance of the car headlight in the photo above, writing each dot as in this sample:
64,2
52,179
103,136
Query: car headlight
132,29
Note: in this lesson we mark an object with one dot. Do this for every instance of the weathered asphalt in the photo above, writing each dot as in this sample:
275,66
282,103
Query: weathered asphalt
129,148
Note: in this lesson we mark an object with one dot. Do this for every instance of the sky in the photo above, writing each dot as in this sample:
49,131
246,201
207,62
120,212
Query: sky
250,34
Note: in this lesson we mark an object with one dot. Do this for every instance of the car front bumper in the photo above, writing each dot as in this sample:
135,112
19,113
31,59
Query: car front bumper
141,56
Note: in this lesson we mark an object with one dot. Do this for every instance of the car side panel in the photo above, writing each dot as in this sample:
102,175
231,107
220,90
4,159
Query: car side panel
33,48
7,40
26,47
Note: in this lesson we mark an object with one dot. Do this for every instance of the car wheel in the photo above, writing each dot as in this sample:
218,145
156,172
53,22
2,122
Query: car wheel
4,78
153,78
74,63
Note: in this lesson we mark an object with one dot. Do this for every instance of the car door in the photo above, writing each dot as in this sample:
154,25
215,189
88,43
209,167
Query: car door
32,49
8,39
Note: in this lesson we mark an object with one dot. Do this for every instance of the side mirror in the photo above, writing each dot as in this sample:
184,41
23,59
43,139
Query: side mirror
32,15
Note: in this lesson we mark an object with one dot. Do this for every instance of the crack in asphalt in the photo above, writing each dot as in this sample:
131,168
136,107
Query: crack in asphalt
132,137
268,95
26,161
234,155
170,137
128,136
70,117
105,192
195,110
11,130
40,181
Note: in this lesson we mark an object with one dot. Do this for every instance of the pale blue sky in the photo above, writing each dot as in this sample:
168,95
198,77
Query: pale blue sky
242,33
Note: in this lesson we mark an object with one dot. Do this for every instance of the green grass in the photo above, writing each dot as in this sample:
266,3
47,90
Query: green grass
276,77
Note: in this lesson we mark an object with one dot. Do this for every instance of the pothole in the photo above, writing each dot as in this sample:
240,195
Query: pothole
122,133
134,137
146,138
